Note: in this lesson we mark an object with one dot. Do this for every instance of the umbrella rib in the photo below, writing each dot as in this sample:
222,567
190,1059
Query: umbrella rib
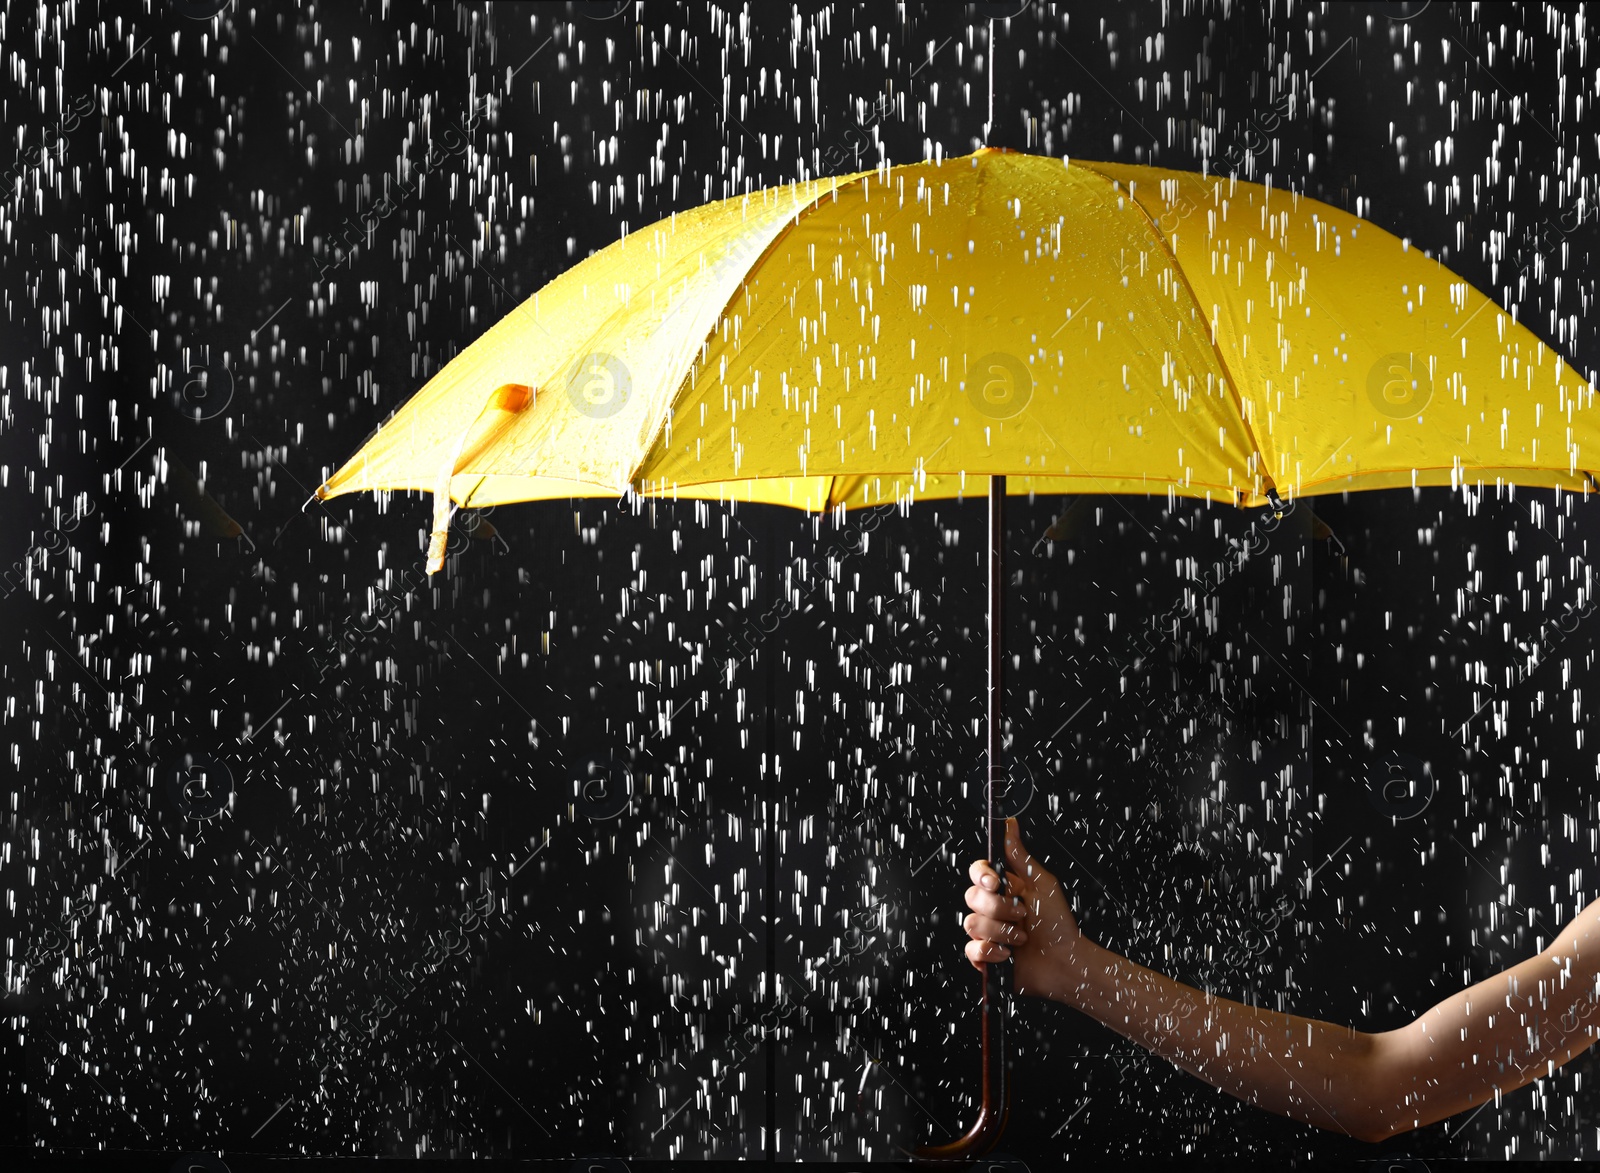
789,226
1194,299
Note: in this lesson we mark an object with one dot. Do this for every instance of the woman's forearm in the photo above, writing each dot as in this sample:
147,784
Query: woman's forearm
1298,1067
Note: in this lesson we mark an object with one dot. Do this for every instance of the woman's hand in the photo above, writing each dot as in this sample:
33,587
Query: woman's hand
1032,919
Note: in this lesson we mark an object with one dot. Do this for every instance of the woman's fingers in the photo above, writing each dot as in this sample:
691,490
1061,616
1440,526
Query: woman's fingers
983,928
983,875
980,951
993,904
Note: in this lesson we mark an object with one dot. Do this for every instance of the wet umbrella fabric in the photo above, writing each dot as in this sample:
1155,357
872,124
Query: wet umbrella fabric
1059,326
1077,327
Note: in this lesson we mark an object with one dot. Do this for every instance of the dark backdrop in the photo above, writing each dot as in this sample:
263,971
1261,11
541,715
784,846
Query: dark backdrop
574,852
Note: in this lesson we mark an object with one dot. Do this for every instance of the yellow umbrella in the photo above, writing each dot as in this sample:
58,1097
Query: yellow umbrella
1059,326
1074,326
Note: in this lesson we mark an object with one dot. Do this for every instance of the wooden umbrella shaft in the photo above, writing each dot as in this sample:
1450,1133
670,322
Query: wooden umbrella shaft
995,1099
996,1096
997,628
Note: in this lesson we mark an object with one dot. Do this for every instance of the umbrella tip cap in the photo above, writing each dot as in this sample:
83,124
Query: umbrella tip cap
436,550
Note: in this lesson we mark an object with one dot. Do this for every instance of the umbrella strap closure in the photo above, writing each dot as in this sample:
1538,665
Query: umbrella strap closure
509,399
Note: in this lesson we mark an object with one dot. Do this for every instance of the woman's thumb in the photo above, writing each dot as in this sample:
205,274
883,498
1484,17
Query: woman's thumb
1017,857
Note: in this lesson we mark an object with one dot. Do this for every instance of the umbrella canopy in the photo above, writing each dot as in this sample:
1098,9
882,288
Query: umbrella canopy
1074,326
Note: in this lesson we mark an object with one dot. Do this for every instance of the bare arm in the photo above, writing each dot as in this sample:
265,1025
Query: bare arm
1502,1033
1299,1067
1499,1035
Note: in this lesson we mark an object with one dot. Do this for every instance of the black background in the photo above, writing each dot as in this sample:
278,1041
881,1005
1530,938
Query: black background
677,821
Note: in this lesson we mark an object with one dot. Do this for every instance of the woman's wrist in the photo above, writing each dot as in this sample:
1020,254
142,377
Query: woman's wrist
1073,974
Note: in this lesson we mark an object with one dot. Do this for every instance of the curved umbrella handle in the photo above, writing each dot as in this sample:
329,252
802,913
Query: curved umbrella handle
994,1106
